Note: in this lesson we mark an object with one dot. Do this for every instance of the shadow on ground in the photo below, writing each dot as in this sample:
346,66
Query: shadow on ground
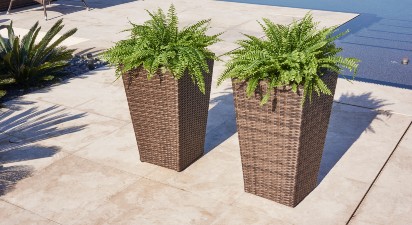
65,7
221,121
346,125
9,176
21,128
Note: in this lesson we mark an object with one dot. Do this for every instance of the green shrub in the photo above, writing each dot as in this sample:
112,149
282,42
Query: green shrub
159,46
28,62
296,55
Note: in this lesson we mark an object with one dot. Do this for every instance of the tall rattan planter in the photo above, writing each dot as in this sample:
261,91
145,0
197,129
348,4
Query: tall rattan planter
169,117
281,143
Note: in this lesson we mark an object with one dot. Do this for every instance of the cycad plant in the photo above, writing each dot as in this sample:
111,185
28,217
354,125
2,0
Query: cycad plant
159,46
29,61
297,55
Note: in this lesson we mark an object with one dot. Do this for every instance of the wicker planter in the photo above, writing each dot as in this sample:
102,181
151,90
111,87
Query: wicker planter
169,117
281,143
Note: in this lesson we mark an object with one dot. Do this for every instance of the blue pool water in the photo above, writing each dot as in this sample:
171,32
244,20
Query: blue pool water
380,36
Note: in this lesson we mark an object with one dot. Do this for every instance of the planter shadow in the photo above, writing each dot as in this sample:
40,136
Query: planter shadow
347,123
221,121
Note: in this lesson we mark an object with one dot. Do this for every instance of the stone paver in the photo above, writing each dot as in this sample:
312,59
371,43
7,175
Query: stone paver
390,198
118,150
77,161
395,100
13,215
68,189
217,175
150,202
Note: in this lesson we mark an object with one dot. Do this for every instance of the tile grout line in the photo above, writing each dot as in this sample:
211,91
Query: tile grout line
29,211
164,182
108,134
71,153
107,198
373,109
105,165
124,187
190,193
379,173
75,108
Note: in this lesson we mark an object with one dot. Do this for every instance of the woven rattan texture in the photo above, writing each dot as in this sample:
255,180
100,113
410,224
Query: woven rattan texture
169,117
281,143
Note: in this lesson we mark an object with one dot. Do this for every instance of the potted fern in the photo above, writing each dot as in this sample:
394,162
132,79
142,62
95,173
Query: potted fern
283,89
167,76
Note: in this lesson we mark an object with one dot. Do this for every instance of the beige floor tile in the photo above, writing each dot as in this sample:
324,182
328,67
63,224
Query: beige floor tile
385,206
71,93
105,75
216,175
396,100
330,203
219,17
251,216
231,145
33,154
53,125
390,199
25,116
251,202
397,174
13,215
330,19
109,104
118,150
223,47
86,128
70,188
253,27
150,202
359,222
333,202
369,152
11,175
276,10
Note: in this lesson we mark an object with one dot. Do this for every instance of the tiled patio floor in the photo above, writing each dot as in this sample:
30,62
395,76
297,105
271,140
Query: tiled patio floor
76,160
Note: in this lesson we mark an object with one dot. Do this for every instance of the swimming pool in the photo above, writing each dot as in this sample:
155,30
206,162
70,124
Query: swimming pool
380,36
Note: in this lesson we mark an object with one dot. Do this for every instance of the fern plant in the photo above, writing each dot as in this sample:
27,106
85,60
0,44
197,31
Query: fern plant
28,61
297,55
159,46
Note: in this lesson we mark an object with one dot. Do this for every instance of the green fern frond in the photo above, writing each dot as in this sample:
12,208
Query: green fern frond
159,46
296,55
